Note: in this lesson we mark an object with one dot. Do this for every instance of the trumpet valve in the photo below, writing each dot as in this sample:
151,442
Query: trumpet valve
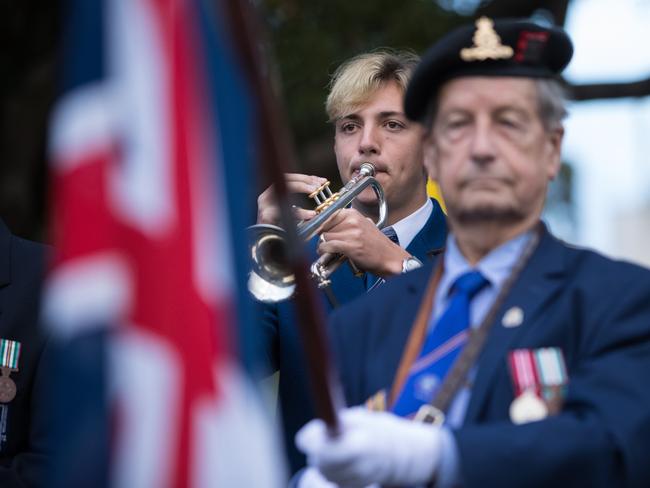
322,193
328,202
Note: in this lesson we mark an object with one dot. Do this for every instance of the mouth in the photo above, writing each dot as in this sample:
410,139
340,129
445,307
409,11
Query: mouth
486,182
379,167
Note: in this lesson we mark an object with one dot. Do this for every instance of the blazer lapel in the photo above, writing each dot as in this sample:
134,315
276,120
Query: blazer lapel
538,283
431,238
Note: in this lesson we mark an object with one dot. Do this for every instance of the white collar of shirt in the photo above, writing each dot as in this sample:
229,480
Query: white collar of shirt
407,228
495,266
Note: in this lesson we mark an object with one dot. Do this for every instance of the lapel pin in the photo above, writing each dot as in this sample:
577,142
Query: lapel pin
513,317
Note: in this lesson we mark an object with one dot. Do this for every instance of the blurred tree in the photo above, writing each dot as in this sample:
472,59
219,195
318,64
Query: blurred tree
309,39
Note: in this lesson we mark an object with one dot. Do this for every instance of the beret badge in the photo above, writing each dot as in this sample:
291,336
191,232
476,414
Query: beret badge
487,44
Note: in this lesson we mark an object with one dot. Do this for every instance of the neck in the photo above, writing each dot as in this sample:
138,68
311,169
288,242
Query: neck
477,240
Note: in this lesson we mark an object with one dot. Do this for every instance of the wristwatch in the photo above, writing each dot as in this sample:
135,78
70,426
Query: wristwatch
411,263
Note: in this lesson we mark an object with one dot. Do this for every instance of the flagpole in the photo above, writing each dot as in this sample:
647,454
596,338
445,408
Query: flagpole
279,156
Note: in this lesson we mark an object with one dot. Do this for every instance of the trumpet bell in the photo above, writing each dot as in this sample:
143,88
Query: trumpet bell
271,279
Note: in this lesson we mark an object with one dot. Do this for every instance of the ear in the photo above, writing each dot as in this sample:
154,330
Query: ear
554,148
429,154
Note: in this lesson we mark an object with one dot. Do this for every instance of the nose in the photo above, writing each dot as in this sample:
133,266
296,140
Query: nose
369,143
482,147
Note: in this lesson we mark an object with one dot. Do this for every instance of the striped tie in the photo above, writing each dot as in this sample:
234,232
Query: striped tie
441,347
391,234
371,281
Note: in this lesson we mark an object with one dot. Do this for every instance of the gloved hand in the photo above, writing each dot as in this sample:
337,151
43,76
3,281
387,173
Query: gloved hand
312,478
373,447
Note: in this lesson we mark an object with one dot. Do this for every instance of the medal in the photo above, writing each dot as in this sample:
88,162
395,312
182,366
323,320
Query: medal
9,356
527,407
539,377
7,387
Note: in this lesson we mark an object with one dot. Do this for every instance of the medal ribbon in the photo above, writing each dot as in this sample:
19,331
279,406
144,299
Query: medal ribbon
9,354
551,367
524,371
537,369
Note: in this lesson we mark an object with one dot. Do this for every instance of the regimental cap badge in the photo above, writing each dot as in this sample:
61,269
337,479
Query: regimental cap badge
487,44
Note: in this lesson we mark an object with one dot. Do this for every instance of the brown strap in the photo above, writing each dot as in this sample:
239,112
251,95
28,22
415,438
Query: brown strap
457,375
417,335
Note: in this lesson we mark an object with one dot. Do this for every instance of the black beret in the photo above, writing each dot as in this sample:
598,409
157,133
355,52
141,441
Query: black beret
500,48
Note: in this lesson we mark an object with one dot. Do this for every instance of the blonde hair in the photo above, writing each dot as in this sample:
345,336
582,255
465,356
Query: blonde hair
354,81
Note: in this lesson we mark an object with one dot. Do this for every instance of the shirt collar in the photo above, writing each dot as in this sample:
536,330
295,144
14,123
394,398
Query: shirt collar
407,228
496,266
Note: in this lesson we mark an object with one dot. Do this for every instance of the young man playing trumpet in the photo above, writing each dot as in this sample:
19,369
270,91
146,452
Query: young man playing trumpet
365,107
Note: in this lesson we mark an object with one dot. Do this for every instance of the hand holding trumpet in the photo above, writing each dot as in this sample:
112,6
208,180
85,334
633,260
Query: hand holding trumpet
267,209
349,233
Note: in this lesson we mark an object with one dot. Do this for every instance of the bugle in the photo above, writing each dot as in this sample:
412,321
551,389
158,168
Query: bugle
270,279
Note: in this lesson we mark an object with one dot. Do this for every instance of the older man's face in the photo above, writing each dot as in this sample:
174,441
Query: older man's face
492,156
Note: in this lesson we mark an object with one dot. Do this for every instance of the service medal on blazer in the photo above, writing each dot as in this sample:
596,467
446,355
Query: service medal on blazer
539,377
9,355
527,407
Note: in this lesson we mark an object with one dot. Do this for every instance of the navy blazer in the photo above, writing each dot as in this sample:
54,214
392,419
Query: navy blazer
23,450
280,345
596,310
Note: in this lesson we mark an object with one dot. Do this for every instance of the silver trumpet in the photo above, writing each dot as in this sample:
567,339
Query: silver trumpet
271,280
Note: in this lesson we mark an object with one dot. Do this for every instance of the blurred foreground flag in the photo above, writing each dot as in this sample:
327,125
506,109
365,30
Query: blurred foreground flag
143,290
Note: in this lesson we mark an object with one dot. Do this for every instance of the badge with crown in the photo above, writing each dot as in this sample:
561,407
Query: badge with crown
487,44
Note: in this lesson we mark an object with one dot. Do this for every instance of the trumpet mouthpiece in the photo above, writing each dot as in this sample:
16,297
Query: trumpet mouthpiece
367,169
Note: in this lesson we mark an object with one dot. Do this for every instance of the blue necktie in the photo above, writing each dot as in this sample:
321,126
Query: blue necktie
441,347
370,279
391,234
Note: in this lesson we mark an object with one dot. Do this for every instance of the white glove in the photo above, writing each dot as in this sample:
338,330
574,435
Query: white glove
373,447
312,478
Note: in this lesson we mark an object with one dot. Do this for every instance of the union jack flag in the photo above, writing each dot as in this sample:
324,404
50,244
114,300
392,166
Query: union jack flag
142,176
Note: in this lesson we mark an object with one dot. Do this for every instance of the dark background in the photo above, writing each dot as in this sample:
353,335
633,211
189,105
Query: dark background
306,41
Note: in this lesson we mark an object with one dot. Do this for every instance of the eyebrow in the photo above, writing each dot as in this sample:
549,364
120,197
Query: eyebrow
380,115
511,108
498,110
